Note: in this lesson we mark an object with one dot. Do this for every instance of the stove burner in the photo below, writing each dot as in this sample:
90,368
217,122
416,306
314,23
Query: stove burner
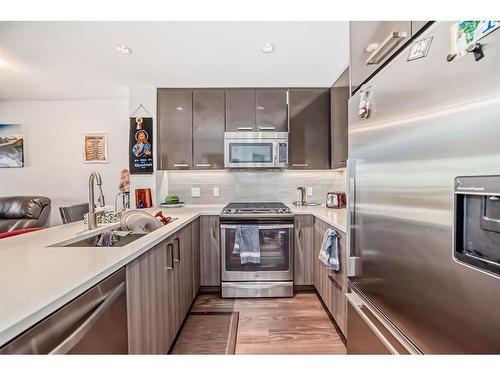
256,208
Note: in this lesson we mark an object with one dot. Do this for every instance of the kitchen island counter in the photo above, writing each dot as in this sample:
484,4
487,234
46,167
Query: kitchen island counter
36,278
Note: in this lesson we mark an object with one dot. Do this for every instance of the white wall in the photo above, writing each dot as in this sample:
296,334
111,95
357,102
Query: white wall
53,149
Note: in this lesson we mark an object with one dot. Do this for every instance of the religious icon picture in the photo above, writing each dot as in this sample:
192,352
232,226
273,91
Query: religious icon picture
141,145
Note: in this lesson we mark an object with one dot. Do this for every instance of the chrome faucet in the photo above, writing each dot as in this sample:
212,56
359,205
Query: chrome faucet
302,200
92,216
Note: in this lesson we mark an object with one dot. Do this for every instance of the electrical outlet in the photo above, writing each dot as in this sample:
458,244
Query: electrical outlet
216,192
309,191
195,192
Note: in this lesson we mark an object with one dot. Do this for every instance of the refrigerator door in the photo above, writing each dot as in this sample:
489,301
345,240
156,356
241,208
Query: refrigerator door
430,121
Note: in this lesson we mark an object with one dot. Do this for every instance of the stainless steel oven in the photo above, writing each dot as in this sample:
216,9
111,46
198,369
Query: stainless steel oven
272,275
256,149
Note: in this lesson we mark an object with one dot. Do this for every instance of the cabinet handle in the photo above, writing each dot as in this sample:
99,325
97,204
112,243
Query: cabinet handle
245,128
385,47
334,282
181,165
267,127
214,229
170,257
300,165
203,165
176,239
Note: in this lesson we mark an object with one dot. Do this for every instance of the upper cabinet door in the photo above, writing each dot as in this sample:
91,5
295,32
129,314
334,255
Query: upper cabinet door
339,96
240,110
372,44
309,137
208,129
272,110
175,128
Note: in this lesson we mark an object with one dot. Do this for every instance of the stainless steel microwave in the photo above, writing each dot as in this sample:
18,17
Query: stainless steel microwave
256,149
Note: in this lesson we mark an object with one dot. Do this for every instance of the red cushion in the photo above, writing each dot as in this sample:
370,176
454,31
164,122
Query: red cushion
17,232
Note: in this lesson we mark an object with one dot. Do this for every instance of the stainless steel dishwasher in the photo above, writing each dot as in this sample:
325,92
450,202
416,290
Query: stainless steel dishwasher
93,323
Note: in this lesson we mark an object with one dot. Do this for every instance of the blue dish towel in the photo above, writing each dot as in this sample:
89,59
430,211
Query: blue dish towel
247,244
329,253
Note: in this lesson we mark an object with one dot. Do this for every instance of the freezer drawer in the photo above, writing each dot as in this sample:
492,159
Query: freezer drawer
368,332
93,323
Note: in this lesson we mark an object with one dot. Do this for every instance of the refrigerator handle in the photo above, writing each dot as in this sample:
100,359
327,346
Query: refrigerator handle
353,261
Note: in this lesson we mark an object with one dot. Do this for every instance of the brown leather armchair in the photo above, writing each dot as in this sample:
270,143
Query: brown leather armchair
23,212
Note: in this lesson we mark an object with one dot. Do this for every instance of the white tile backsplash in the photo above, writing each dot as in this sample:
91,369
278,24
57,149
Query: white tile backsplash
264,185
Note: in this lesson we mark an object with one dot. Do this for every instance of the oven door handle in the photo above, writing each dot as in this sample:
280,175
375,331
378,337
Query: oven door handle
271,226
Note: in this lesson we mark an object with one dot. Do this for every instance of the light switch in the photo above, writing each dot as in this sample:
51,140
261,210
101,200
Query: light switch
195,192
309,191
216,192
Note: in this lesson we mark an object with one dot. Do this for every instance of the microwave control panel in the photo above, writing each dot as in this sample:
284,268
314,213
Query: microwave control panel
283,152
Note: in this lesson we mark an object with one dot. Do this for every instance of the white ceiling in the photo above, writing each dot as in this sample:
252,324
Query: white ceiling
79,60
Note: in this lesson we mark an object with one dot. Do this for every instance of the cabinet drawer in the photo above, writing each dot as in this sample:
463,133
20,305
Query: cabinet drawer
372,44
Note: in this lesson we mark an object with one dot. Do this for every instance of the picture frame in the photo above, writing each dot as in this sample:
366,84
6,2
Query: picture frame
95,148
11,146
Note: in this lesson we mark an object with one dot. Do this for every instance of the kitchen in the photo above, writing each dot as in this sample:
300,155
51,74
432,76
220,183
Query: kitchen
327,214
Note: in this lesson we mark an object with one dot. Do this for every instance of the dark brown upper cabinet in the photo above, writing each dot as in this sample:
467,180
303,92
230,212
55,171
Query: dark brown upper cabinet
240,110
339,96
309,137
272,110
208,129
175,128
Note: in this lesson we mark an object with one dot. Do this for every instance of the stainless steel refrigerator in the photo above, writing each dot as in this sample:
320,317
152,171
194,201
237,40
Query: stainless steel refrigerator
424,244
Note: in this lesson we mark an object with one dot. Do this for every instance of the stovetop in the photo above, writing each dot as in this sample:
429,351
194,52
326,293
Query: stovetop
256,208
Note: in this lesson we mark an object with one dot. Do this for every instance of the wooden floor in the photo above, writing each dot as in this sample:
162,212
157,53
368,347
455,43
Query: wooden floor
297,325
208,333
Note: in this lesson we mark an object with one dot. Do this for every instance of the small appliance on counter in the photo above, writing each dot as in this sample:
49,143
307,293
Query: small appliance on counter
335,200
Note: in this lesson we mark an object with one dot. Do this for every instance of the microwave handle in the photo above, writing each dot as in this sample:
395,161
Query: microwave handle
275,153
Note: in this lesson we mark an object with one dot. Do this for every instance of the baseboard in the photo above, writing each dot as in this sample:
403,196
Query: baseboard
209,289
304,288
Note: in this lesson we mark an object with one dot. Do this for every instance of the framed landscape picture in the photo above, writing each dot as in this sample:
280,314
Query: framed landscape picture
11,146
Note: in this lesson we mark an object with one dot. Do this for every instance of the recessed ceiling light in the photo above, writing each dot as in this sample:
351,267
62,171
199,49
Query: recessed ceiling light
268,48
122,48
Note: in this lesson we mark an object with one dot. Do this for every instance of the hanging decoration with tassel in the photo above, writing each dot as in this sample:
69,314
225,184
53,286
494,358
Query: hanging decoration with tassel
141,143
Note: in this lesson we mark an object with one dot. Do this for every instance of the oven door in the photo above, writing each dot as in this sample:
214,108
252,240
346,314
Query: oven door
250,153
276,254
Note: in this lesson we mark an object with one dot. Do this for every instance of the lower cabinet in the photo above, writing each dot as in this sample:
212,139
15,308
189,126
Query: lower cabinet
331,285
161,286
303,257
210,267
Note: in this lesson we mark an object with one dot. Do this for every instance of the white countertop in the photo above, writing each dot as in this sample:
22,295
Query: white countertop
336,217
36,280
